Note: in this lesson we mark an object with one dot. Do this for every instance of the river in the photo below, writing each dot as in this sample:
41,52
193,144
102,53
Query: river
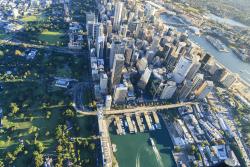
229,60
134,150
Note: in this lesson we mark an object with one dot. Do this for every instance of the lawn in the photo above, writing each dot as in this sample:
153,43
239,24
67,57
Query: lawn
51,37
24,129
31,18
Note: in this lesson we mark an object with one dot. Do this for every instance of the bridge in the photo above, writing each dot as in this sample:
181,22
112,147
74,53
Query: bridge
142,109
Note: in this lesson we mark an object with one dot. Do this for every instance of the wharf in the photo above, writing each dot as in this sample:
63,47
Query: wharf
156,118
139,123
118,125
148,121
130,125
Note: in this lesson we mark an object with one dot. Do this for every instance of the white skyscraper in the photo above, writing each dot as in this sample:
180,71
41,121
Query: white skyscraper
182,68
117,69
117,16
90,17
104,83
108,102
100,46
144,79
120,94
169,90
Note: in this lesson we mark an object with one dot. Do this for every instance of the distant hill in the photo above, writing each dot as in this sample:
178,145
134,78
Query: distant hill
238,10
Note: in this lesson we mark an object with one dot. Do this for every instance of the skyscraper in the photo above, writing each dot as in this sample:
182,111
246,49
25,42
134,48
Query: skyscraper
117,16
197,81
182,68
120,94
117,69
108,102
104,83
169,90
100,46
128,54
117,47
193,70
90,17
185,90
98,31
144,79
204,89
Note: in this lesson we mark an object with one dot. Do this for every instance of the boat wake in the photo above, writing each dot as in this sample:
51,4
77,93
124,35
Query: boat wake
158,157
137,161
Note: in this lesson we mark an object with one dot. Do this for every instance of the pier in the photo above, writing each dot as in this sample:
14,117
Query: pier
139,123
130,125
148,121
156,118
118,125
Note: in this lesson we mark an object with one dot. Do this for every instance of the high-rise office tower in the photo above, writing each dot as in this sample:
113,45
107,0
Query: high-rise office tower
117,69
204,89
169,90
90,29
197,81
144,79
128,54
182,68
117,16
108,102
185,90
180,47
123,30
104,83
98,31
100,46
90,17
117,47
205,59
193,70
142,64
120,94
155,43
219,74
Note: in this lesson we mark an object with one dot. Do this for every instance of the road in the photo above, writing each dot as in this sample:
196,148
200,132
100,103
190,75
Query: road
138,109
148,108
59,49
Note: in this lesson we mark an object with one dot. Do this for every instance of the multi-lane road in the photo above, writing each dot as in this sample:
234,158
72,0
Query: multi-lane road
138,109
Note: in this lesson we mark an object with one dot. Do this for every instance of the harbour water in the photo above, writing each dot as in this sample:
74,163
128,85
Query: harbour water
135,150
229,60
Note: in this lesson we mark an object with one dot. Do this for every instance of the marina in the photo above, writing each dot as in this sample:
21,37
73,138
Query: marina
139,150
134,123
